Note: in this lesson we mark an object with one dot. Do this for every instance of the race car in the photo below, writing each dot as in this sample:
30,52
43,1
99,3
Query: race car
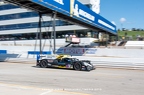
65,61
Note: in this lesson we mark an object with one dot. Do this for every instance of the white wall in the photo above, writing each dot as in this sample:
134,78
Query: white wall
32,45
22,47
135,43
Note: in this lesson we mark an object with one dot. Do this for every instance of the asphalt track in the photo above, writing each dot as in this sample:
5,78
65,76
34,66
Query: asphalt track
26,79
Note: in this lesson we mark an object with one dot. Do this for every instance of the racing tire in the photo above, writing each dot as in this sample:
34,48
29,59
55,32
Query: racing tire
77,66
88,68
43,63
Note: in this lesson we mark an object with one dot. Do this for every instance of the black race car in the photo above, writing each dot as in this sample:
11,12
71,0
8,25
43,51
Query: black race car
66,61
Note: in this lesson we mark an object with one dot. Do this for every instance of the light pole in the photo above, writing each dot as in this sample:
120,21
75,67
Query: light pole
121,26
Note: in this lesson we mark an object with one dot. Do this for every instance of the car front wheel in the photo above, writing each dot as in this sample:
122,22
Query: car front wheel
43,63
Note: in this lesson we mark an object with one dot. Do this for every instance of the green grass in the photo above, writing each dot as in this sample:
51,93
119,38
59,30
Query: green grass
132,34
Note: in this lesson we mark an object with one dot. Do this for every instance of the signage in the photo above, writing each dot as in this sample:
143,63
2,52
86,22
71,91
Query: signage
90,51
73,10
59,1
76,51
77,10
73,51
58,5
86,14
60,51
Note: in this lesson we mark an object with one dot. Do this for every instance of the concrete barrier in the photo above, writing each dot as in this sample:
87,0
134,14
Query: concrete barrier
135,43
106,52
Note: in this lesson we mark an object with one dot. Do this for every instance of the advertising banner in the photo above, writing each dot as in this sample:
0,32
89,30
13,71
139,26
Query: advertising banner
60,51
77,10
73,51
62,6
76,51
90,51
86,14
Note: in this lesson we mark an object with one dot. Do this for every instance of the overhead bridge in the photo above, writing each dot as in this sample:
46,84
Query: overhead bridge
69,10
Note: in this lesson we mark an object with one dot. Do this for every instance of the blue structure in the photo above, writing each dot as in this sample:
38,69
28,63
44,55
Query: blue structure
70,10
3,51
37,52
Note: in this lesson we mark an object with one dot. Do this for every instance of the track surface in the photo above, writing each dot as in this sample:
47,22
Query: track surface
26,79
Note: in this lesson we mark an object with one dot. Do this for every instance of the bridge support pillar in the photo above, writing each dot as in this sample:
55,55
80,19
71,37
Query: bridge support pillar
54,32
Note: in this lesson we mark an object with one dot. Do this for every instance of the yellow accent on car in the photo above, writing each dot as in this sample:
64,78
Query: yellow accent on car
61,66
62,56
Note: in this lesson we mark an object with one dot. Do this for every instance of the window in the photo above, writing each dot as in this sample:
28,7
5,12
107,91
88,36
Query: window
8,6
29,25
18,15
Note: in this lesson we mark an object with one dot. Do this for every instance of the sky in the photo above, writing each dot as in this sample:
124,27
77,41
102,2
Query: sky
124,13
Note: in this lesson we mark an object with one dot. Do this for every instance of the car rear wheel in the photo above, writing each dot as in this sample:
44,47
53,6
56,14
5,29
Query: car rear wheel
77,66
43,63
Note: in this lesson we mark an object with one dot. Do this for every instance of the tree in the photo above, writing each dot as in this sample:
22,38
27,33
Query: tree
118,30
133,29
125,34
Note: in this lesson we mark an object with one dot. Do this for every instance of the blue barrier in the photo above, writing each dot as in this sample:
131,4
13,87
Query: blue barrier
37,52
3,51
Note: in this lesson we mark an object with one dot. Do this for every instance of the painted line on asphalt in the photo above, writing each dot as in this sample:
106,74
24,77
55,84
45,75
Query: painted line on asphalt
77,93
42,89
44,93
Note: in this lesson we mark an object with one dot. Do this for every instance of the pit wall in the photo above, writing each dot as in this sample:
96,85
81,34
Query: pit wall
23,46
135,43
91,52
29,49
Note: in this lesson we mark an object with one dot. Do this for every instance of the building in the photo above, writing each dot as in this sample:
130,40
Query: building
18,23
